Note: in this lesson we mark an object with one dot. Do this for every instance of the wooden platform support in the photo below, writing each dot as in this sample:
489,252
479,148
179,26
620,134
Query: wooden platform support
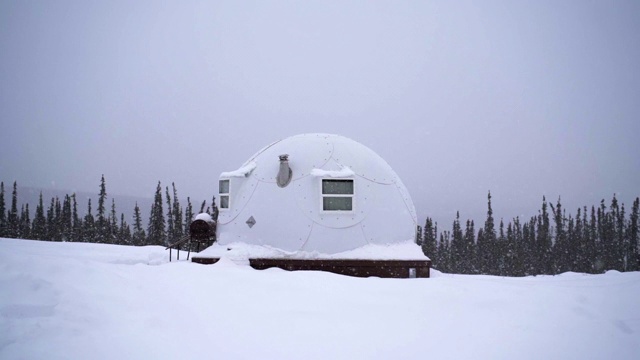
359,268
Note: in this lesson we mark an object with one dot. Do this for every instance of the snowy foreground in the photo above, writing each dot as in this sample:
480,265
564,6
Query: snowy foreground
89,301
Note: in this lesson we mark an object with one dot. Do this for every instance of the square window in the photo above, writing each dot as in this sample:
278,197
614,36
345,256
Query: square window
337,194
224,201
223,186
330,203
344,187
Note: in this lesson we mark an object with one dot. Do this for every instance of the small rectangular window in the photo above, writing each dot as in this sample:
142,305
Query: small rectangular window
337,203
343,187
337,195
223,186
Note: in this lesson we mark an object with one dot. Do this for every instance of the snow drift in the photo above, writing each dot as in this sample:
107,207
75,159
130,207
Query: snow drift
80,301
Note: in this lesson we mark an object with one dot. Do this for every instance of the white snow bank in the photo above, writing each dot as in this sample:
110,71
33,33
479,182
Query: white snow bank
242,252
204,216
89,301
244,171
342,173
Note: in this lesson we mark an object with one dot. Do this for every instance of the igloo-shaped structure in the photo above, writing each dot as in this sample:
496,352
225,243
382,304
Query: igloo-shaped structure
318,197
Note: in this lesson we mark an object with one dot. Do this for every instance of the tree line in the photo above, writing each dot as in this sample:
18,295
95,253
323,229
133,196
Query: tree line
552,242
59,220
594,240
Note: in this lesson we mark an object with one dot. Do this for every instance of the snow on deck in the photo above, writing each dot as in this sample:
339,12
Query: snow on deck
241,252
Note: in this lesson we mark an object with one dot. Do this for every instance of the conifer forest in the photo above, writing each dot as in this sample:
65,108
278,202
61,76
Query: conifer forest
591,240
59,220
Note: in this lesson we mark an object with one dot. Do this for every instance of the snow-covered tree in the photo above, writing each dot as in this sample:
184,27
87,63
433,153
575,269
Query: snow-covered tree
188,215
89,226
39,225
124,233
170,223
76,234
178,228
102,223
632,252
156,234
3,214
25,223
12,216
139,236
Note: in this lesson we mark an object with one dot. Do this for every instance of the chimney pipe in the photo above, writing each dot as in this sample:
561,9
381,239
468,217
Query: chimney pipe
284,173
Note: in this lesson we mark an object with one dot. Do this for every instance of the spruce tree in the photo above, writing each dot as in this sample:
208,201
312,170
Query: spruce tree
178,228
25,223
214,209
518,264
543,241
214,216
188,215
621,243
486,244
66,220
589,241
113,225
510,252
124,233
170,223
478,260
12,216
469,242
429,240
529,247
573,246
39,225
58,221
444,252
51,221
458,252
500,252
632,251
605,236
102,224
561,252
89,226
3,214
156,234
581,259
597,259
615,227
139,236
76,234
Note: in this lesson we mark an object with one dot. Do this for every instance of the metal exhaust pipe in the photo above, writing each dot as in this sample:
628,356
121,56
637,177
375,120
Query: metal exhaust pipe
284,173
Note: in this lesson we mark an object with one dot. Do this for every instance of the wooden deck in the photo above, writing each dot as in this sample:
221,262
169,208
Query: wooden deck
204,260
359,268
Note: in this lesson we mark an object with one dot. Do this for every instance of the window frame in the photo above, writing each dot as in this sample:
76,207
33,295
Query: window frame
351,196
227,194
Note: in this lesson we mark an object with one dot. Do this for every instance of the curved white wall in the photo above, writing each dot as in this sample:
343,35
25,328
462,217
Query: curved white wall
291,218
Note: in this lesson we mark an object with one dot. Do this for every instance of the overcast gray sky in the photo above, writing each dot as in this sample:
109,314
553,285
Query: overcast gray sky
523,98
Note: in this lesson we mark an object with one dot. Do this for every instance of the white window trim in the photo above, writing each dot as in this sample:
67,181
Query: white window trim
228,195
352,196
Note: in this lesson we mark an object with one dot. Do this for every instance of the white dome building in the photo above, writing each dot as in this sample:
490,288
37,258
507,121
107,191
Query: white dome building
317,197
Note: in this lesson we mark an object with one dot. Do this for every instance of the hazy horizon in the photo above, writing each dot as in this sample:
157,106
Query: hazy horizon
525,99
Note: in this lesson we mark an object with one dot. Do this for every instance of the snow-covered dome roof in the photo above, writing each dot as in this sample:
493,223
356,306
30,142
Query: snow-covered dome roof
292,218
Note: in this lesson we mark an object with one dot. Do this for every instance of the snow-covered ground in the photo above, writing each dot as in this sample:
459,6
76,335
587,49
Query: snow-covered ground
89,301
